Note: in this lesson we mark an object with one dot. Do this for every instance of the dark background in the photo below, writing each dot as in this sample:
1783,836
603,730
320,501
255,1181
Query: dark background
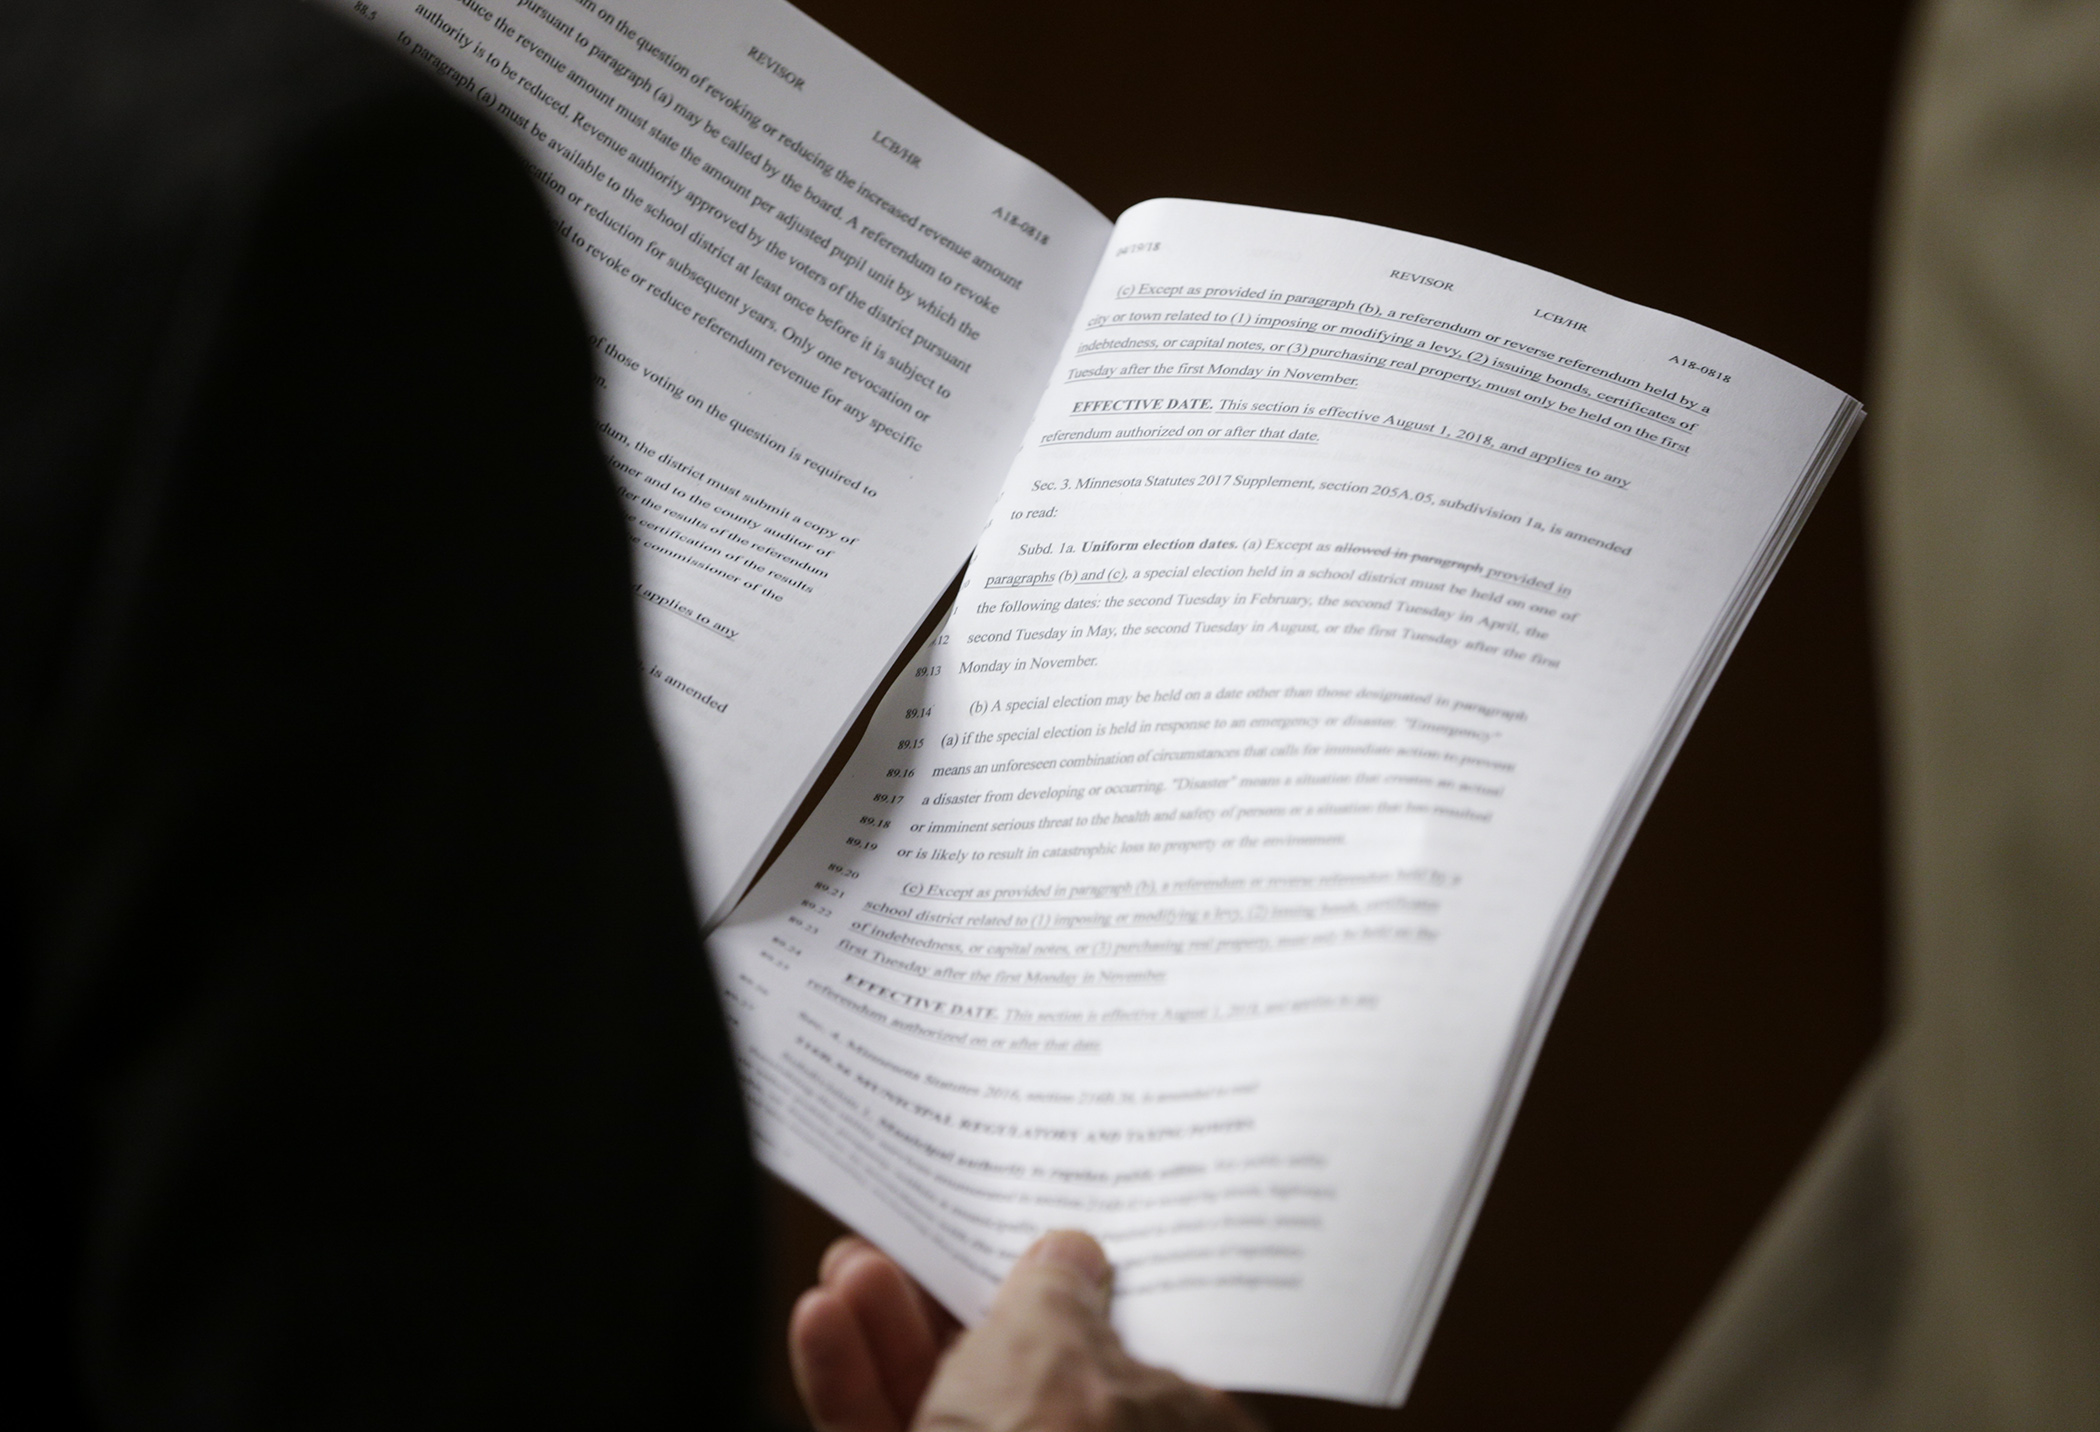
1718,162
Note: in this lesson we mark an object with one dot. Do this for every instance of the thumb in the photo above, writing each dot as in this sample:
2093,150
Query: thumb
1064,1271
1045,1357
1044,1354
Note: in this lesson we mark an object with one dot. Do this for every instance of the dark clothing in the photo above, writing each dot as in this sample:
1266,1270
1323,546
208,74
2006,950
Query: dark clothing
363,1064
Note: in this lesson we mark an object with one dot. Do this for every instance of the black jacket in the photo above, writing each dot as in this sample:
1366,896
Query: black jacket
363,1066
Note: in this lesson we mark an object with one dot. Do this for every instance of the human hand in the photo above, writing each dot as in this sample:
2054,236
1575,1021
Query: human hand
873,1353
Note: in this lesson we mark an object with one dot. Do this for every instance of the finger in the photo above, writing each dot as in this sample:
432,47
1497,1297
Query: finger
846,1250
834,1369
1065,1262
945,1325
892,1313
840,1251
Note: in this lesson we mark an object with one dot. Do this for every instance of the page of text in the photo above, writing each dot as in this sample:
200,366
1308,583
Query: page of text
1193,887
823,311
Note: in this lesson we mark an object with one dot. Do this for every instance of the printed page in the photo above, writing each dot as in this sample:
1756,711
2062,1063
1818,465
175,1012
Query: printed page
823,310
1199,884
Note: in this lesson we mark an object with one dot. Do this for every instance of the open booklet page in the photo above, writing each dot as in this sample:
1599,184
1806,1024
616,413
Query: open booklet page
1204,883
824,309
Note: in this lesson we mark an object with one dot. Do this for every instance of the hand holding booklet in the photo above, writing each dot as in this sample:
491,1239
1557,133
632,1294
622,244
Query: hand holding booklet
1335,600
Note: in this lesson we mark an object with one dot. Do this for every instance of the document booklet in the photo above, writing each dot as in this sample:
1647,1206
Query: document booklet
1335,600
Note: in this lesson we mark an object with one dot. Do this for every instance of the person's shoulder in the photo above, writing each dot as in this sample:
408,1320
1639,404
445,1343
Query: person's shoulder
153,104
112,65
150,152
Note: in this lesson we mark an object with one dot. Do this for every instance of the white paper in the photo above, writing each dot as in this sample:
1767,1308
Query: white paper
1207,882
823,310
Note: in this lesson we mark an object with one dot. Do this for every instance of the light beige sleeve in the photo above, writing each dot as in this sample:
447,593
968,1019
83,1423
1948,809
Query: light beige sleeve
1936,1264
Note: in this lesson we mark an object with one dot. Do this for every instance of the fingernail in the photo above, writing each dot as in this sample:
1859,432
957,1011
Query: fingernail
1069,1248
